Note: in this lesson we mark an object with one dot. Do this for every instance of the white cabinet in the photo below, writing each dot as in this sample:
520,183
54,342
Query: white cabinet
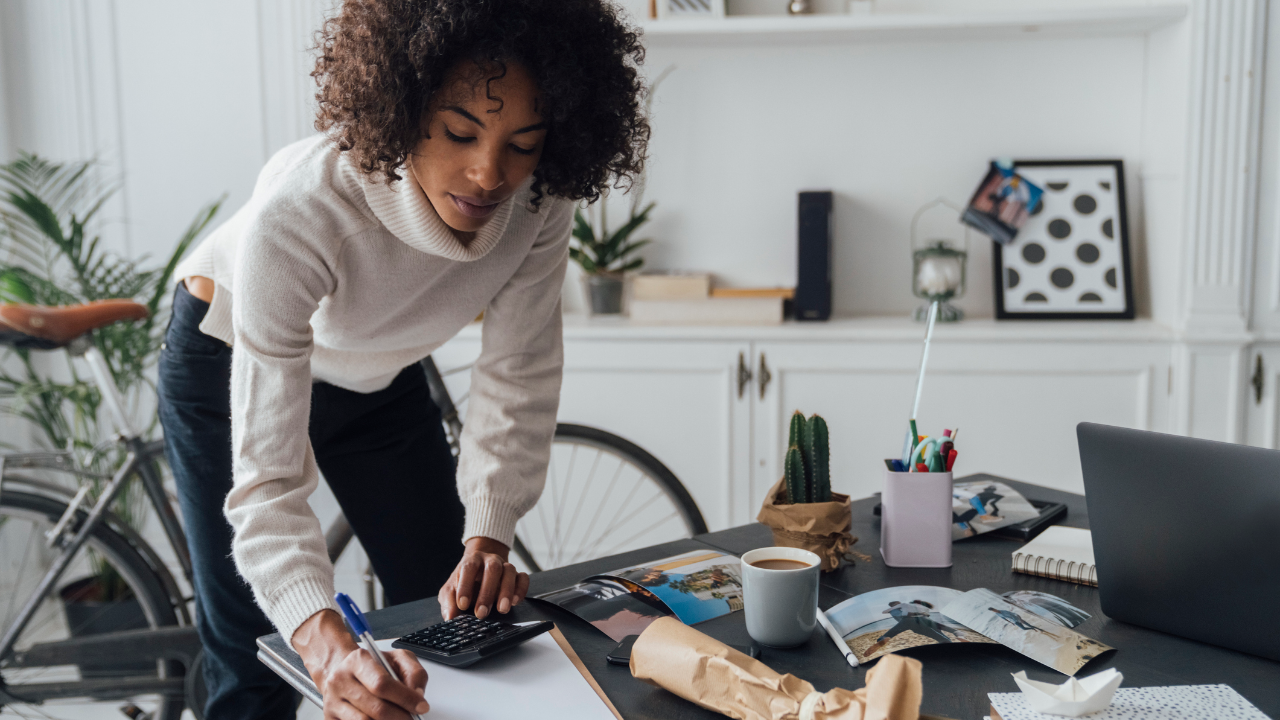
680,399
1262,393
713,403
1016,404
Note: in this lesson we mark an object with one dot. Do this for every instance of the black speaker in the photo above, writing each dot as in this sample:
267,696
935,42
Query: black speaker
813,271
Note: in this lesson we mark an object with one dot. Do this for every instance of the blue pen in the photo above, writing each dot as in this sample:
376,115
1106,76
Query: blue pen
360,627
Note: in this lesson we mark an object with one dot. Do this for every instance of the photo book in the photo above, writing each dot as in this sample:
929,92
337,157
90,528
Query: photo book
692,587
1035,624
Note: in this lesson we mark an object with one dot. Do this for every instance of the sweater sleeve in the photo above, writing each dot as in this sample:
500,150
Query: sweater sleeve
279,547
515,389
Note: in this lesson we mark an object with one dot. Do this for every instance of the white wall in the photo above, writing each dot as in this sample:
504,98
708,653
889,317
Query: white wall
888,127
737,130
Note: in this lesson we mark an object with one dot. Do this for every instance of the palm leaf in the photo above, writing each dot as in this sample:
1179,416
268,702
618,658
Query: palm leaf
160,286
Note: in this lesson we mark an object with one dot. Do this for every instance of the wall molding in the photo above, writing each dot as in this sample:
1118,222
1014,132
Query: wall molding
286,34
1225,104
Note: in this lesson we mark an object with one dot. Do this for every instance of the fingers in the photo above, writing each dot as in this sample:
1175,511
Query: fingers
448,604
489,585
507,592
522,588
468,571
409,669
383,696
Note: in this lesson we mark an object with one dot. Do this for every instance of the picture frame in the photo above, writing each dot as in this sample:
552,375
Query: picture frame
1071,261
690,9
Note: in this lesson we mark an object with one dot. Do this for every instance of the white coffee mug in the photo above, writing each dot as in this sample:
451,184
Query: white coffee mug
781,604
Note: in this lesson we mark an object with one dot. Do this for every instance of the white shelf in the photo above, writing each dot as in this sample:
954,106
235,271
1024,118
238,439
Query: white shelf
869,329
782,29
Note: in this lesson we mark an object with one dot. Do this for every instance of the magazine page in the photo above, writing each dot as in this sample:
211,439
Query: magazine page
897,618
694,586
980,507
697,585
616,609
1027,631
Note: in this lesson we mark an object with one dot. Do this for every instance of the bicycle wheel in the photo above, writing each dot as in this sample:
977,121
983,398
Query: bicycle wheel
604,495
83,604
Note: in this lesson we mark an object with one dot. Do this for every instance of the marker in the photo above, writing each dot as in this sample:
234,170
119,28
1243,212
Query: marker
360,627
835,638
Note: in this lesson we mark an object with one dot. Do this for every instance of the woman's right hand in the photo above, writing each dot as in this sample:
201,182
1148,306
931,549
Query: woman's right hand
353,683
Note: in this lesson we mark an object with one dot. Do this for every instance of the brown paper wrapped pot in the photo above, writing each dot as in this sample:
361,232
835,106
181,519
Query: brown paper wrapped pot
821,528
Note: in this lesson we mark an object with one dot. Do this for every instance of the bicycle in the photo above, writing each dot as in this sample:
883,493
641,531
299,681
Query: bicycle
140,644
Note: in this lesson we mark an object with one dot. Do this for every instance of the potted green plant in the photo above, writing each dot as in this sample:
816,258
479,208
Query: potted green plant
49,256
606,255
801,509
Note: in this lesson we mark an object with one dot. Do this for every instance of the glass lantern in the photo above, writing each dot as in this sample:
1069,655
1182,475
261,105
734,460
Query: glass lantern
938,268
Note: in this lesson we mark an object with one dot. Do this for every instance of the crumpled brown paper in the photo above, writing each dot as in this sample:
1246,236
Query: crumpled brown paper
820,528
705,671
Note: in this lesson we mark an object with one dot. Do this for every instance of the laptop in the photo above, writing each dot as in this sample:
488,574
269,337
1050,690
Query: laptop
1186,535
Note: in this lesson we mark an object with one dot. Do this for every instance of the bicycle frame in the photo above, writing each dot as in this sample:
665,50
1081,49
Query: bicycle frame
139,454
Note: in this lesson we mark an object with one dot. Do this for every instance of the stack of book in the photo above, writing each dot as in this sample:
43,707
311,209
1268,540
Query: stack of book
676,298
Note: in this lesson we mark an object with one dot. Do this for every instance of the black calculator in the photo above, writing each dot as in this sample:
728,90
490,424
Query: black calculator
467,639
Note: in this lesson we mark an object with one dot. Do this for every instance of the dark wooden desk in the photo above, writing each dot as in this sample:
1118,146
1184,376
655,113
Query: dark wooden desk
957,678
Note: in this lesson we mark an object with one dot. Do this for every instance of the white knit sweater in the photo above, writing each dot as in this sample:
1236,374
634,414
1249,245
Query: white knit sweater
328,275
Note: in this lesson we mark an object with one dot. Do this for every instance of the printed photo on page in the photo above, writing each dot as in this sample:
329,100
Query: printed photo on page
613,608
892,619
883,621
980,507
695,586
1026,631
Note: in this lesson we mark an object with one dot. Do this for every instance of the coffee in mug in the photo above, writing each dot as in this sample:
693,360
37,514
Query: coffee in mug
780,595
780,564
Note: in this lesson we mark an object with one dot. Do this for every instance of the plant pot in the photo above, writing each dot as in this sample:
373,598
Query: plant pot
89,613
821,528
605,293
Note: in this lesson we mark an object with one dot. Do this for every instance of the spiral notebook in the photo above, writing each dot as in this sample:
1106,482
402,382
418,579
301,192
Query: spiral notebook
1062,553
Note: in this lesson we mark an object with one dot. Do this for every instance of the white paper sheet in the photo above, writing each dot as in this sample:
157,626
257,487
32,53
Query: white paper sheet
533,681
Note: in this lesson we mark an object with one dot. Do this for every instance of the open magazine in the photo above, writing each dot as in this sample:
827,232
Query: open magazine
695,586
1035,624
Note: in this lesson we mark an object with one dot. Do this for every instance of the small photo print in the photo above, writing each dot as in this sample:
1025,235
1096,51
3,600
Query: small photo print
697,585
1049,607
1025,631
884,621
611,607
981,507
1002,204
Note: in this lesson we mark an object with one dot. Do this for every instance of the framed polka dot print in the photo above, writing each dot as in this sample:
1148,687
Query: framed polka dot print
1070,261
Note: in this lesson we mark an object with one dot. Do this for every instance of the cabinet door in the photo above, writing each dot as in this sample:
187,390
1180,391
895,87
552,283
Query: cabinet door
680,401
1263,412
1015,405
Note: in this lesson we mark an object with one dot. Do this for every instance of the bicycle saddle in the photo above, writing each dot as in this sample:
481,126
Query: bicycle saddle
45,328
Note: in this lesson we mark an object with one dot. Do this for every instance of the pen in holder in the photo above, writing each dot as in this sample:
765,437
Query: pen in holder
915,519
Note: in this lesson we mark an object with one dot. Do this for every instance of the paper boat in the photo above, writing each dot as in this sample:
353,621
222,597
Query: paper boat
1072,698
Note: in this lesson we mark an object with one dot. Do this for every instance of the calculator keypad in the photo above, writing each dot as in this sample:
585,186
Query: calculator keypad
461,634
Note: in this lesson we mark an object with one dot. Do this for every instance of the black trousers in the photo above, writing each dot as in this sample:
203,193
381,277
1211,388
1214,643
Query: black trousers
384,455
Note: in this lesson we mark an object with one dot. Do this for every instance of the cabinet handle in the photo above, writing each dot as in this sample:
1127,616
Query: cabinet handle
744,374
1258,381
765,376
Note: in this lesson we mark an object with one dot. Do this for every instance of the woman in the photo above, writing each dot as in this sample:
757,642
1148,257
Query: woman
458,136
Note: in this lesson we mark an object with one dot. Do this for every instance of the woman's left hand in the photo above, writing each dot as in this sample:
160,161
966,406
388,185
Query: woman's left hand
484,579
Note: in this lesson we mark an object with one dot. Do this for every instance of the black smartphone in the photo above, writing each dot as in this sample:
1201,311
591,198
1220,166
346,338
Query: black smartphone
621,653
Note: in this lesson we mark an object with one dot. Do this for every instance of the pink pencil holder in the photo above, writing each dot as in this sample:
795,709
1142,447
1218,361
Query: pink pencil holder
915,520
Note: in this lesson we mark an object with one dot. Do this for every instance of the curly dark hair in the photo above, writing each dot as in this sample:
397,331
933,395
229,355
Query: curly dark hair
381,61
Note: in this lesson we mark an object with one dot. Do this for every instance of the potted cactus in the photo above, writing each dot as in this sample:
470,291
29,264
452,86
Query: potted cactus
801,509
807,470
